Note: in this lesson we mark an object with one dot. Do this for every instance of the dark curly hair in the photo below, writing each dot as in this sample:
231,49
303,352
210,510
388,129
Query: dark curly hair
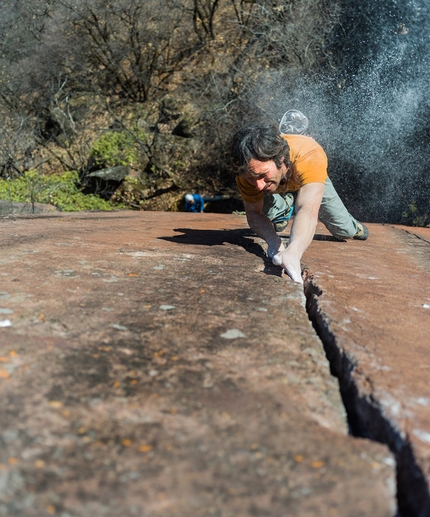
262,142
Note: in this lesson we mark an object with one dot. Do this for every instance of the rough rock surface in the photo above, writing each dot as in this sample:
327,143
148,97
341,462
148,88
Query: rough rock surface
155,364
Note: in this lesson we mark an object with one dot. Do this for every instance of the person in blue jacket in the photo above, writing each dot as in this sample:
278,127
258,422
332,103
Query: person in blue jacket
194,203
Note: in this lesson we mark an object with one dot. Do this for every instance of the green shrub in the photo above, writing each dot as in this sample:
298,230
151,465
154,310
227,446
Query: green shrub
61,191
116,148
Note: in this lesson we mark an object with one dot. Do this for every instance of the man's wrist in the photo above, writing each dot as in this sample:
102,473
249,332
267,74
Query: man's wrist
296,244
275,247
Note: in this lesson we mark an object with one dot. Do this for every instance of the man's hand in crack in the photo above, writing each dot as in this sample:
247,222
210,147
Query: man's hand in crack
302,231
290,262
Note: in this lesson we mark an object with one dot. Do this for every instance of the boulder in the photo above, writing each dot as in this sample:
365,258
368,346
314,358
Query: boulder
117,173
8,207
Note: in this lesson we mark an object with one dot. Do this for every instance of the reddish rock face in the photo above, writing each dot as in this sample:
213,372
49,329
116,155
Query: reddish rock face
371,304
158,364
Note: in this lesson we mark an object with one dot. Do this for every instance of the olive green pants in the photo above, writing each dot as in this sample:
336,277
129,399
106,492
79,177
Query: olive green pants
332,213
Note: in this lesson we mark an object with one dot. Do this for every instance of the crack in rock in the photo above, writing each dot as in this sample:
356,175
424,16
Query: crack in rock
366,416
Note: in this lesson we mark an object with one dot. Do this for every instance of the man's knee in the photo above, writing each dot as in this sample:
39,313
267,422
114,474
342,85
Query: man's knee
344,227
343,233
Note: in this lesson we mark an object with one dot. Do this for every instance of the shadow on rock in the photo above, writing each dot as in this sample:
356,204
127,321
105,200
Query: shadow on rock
320,237
239,237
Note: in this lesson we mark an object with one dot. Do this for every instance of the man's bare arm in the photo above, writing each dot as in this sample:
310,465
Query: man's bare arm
307,206
263,227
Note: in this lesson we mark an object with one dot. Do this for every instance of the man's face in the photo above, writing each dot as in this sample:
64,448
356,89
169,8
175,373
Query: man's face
266,175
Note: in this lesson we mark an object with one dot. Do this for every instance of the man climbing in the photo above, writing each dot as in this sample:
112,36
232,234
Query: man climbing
273,170
194,203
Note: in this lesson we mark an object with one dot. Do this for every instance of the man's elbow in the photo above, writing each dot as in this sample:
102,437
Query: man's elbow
314,217
250,219
311,212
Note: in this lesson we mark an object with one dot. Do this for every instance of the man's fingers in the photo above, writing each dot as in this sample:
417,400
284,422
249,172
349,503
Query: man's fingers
292,270
295,277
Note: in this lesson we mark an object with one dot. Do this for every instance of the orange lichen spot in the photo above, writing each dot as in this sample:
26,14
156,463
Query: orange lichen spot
126,442
270,459
299,458
317,464
145,448
66,413
116,384
41,317
202,291
12,353
39,464
134,381
55,404
4,359
82,430
51,509
147,306
104,348
96,356
12,461
4,374
174,358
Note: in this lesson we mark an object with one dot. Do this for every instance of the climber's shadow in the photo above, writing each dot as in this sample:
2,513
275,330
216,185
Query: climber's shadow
320,237
243,237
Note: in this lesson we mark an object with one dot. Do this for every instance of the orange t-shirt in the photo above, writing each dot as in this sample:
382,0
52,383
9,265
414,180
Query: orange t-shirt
308,165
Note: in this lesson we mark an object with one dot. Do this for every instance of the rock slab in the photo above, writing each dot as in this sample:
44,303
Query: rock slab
155,364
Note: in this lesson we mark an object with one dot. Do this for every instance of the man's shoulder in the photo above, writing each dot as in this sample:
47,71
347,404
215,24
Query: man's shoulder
300,140
308,160
303,148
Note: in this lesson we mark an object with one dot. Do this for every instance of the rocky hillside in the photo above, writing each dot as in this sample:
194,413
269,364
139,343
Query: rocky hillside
141,99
